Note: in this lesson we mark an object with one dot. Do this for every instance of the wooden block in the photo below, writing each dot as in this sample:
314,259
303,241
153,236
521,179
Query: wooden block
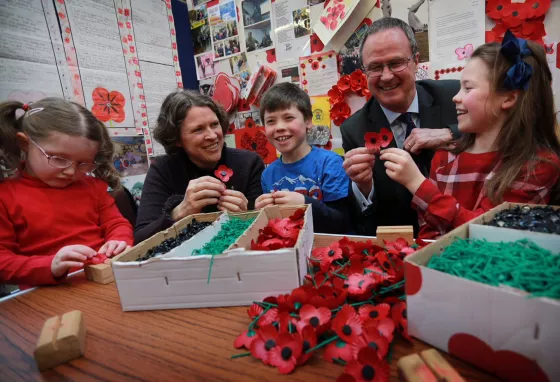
441,368
413,369
100,273
392,233
62,339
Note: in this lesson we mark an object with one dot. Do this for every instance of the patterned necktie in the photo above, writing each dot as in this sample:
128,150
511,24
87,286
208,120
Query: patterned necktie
407,119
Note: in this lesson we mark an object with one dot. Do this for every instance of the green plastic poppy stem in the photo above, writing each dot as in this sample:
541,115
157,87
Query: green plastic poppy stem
257,318
241,355
324,343
339,361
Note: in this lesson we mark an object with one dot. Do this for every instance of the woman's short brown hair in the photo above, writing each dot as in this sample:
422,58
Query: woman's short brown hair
174,110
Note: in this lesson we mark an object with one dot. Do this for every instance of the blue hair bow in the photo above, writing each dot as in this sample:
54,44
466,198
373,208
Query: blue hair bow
514,49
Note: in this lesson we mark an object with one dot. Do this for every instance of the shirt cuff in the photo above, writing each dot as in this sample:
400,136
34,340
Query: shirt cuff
360,198
425,194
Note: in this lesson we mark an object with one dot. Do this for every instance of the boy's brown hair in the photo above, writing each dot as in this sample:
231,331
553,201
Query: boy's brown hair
282,96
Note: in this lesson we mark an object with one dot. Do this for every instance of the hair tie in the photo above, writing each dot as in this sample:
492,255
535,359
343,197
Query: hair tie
25,107
514,49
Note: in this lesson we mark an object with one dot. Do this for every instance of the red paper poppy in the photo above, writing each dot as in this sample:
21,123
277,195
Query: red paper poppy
328,297
373,313
97,259
108,106
286,352
398,314
385,327
368,367
309,341
372,141
374,340
386,136
346,377
254,310
316,44
359,284
317,318
286,323
358,80
223,173
268,318
335,95
243,105
338,350
285,303
537,8
340,110
245,339
494,8
264,343
257,143
344,83
249,123
271,56
347,324
315,65
514,15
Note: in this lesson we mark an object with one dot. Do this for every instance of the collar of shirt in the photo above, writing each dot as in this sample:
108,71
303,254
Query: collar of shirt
392,116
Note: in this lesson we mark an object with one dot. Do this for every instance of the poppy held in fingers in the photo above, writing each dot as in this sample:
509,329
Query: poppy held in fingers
386,136
372,141
223,173
286,352
347,324
368,367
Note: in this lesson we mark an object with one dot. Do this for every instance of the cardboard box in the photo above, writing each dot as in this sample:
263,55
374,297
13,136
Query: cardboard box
498,329
239,275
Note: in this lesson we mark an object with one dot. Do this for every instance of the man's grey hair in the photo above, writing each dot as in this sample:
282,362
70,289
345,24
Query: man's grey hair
390,23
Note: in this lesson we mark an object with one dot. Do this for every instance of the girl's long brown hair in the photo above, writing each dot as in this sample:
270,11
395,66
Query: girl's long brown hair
529,128
60,116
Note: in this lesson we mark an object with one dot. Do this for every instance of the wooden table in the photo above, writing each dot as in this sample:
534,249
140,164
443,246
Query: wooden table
179,345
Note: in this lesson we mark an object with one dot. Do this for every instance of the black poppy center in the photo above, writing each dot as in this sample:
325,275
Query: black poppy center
386,264
404,313
401,328
331,253
347,330
515,13
500,7
223,173
286,353
374,314
536,5
269,344
373,345
315,41
314,321
385,138
306,345
368,372
373,140
254,146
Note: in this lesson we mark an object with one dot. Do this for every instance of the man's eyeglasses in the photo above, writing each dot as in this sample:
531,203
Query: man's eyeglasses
62,163
394,66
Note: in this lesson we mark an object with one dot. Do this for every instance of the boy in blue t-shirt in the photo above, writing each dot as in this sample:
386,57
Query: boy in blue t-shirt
303,174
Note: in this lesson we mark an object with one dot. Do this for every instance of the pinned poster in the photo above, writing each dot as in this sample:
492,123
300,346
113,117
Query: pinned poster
333,18
293,28
320,132
254,139
257,25
319,73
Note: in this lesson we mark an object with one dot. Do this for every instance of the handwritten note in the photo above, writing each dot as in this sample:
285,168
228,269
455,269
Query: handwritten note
151,30
319,73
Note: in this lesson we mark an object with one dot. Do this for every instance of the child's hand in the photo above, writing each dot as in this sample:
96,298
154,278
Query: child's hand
71,256
263,201
232,201
401,168
113,247
288,197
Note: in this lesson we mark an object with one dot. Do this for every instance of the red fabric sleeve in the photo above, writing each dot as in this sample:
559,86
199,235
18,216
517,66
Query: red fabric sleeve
113,224
19,269
443,213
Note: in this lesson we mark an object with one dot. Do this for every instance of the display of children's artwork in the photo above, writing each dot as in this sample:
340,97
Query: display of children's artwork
130,156
254,139
319,72
333,18
200,30
224,30
205,67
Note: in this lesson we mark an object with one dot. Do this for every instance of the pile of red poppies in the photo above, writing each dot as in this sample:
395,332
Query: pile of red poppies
356,83
279,233
525,20
351,304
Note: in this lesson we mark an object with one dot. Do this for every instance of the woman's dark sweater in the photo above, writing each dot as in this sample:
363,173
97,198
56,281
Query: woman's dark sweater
167,181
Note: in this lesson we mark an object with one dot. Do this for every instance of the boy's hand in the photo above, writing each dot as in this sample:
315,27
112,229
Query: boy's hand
232,201
288,197
201,192
113,247
401,168
263,201
71,256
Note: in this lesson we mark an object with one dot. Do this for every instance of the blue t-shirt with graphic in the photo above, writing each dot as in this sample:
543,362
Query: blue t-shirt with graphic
319,175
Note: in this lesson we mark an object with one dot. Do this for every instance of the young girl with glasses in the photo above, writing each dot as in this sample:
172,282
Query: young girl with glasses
509,150
53,216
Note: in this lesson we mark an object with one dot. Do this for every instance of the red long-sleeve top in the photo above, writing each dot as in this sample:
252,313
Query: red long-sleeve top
454,194
37,220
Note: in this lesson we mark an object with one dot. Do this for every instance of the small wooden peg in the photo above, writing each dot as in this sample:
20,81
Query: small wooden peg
62,339
392,233
413,369
441,368
100,273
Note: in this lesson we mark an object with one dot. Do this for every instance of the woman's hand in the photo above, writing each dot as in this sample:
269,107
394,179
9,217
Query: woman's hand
113,248
288,197
232,201
201,192
263,201
401,168
71,256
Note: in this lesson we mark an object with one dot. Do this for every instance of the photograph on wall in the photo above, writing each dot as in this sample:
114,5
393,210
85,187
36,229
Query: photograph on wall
257,36
244,77
226,48
200,30
302,22
225,30
205,67
255,11
315,2
289,73
198,17
415,13
238,63
130,156
350,51
206,87
196,3
248,119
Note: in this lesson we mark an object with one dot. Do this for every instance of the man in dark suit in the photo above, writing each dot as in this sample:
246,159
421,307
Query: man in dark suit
421,116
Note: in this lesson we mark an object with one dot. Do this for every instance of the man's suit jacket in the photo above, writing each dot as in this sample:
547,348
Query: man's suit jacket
391,201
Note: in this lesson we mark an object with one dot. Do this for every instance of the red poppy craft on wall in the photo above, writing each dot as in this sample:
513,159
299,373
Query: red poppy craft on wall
354,83
351,304
108,106
254,139
524,20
